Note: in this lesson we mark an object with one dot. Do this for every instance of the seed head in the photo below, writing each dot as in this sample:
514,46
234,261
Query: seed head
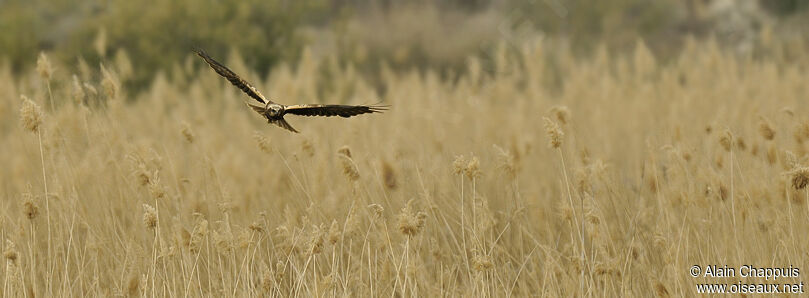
315,244
30,208
30,115
257,227
280,268
459,165
561,113
308,148
554,133
44,67
765,129
155,188
725,140
349,168
376,211
185,129
263,142
508,162
109,82
411,222
11,253
482,262
197,237
790,160
149,216
143,175
723,192
686,156
740,143
334,232
799,177
345,150
267,282
660,290
76,91
472,170
90,89
223,238
388,176
565,211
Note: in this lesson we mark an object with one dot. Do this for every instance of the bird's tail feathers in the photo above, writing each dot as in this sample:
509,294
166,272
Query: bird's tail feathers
283,124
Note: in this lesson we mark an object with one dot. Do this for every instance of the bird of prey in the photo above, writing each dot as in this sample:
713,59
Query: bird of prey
275,112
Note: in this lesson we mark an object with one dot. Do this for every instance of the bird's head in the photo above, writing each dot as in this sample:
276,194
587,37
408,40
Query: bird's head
274,110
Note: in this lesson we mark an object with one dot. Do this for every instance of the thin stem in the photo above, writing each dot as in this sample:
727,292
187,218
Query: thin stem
463,233
31,253
154,263
50,94
155,247
581,221
47,205
733,204
407,264
475,236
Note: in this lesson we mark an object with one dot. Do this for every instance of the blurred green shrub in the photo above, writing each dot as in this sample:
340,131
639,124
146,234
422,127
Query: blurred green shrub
587,23
155,34
785,7
372,34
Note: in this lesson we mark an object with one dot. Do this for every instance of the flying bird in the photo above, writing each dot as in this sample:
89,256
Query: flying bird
275,112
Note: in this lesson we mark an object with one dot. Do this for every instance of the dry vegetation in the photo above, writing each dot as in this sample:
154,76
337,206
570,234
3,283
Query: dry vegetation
500,183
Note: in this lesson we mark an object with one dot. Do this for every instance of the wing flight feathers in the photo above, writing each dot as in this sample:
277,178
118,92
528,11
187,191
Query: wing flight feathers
344,111
231,76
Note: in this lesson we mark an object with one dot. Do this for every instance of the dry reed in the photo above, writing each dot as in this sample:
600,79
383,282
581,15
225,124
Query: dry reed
638,179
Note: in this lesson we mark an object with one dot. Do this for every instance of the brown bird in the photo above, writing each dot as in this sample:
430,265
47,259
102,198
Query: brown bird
275,112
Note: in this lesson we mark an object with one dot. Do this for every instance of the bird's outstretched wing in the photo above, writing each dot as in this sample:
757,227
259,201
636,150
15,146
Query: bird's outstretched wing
344,111
232,77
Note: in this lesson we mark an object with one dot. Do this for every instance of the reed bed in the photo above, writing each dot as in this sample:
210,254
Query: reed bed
543,175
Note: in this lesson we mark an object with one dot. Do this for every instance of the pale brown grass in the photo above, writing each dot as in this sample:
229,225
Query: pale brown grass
182,191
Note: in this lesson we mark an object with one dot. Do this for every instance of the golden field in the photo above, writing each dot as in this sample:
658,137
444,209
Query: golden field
458,190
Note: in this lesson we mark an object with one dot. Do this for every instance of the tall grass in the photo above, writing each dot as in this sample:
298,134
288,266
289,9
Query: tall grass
182,191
